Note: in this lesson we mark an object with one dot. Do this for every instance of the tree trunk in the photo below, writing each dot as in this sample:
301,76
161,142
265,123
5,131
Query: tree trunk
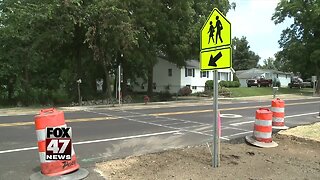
150,81
26,86
77,49
124,88
10,89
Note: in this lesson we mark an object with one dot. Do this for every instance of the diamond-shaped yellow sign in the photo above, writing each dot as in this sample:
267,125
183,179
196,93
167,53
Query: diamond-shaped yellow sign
220,58
216,31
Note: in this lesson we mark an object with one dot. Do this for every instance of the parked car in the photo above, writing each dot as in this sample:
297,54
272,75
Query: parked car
307,83
296,82
259,82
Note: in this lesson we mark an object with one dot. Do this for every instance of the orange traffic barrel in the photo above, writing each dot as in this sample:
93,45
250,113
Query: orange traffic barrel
277,108
52,118
262,131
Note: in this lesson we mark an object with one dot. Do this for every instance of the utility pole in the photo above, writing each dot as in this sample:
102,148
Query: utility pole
119,84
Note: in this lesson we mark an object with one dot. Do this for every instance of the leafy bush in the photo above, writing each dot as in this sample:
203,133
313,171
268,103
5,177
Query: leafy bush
165,96
60,96
185,91
209,85
236,84
224,83
229,84
235,78
278,84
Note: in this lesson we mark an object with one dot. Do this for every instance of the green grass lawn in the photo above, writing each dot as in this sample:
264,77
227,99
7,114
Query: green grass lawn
261,91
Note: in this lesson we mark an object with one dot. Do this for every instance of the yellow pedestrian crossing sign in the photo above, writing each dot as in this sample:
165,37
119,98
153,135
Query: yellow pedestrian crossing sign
217,59
216,31
215,42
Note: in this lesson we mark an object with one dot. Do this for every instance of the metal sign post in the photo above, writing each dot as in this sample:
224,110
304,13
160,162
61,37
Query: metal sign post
216,138
215,53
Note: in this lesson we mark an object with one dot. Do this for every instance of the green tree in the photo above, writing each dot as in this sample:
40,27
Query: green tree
269,63
243,58
300,42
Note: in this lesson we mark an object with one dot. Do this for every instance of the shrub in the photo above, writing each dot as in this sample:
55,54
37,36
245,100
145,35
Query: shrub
224,83
235,78
185,91
278,84
209,85
165,96
236,84
229,84
60,96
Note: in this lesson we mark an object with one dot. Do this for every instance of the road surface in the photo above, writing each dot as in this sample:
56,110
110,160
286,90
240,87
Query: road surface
108,133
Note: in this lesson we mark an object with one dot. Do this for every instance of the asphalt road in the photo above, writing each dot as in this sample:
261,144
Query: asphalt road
108,133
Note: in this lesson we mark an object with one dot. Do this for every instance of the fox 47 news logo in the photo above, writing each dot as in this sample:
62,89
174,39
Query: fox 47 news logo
58,143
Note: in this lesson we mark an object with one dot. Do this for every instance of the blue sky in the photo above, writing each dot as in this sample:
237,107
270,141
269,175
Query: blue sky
252,18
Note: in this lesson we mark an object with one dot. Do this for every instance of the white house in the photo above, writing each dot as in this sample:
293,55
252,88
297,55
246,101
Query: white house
168,76
282,77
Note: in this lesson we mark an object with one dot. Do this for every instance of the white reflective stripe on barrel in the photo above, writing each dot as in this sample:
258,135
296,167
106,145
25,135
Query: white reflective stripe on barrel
263,122
258,134
275,119
41,134
43,156
276,109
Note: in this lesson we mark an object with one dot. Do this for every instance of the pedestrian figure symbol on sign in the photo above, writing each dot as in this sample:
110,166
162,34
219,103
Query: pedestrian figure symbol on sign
219,28
211,31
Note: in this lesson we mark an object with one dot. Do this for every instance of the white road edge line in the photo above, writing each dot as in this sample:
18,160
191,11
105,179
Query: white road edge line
297,115
240,123
96,141
291,116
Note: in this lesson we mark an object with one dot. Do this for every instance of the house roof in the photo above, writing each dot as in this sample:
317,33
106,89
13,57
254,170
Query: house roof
255,72
193,63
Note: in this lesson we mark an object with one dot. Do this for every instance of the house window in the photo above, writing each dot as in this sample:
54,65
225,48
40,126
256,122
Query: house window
154,86
203,74
207,74
170,72
286,76
223,76
189,72
277,75
142,86
194,87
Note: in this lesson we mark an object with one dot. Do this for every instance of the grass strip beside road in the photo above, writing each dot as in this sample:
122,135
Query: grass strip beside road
261,91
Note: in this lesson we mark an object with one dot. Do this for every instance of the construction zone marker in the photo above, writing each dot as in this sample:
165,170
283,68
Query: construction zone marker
262,132
277,108
57,156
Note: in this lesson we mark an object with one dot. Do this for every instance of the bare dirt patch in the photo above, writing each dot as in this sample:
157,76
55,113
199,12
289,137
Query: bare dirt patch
292,159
